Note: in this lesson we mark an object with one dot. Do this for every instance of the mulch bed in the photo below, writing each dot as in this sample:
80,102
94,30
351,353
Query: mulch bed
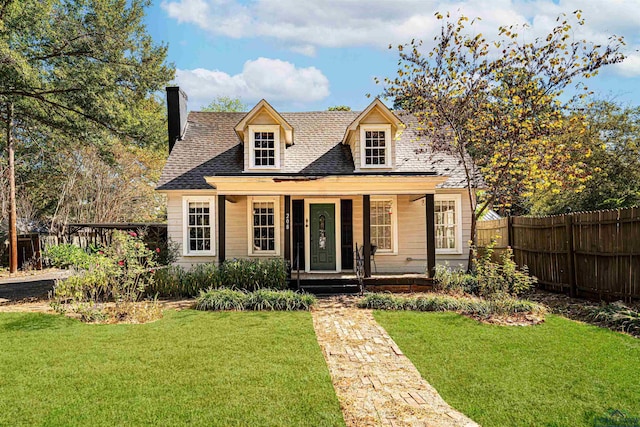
583,310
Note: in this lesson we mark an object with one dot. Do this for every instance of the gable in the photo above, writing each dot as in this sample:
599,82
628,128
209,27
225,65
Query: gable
375,113
264,114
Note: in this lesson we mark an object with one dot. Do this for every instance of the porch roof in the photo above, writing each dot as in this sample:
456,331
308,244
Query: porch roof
372,184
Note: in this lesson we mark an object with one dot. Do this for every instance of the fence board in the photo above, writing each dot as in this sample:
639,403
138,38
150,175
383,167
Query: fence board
592,254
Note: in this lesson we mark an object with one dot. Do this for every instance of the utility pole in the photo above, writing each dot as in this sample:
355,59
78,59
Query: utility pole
13,231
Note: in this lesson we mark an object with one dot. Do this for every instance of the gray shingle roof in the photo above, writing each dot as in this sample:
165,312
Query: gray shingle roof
211,147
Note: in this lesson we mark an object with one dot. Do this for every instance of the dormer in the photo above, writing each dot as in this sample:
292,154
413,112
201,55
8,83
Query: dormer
371,137
265,134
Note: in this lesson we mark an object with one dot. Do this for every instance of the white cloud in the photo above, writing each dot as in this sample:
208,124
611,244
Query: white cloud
304,26
271,79
630,67
307,50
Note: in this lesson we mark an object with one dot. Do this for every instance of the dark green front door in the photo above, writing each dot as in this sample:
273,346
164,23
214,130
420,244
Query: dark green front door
322,236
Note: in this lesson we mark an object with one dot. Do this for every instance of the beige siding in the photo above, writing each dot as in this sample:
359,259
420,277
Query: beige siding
374,117
263,118
236,229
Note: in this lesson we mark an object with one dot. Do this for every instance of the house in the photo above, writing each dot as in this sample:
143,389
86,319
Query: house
309,187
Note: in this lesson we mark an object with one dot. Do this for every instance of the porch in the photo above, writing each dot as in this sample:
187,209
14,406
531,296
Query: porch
394,234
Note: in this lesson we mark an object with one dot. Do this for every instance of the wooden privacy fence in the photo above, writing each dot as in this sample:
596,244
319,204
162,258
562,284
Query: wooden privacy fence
592,255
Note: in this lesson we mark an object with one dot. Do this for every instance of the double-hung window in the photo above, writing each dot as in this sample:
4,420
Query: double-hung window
447,222
264,226
383,224
375,146
198,214
264,146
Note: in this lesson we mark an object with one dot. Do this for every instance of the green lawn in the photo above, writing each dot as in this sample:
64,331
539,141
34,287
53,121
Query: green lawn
560,373
196,368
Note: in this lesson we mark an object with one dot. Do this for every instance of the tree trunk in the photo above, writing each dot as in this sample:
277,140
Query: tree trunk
13,229
474,222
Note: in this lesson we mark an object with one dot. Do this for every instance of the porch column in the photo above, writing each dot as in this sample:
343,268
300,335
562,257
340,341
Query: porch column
431,234
366,233
287,228
221,228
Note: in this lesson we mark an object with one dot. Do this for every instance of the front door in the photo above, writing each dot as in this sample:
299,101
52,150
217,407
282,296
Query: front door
322,236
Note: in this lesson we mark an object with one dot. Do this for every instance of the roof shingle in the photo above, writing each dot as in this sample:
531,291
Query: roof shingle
211,147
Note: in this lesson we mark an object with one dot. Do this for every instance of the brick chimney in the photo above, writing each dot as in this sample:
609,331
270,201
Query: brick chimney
176,114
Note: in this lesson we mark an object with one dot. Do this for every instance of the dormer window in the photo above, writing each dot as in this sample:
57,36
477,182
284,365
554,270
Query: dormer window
375,146
264,146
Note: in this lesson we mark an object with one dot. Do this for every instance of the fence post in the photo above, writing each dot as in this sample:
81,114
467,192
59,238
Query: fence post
568,220
510,233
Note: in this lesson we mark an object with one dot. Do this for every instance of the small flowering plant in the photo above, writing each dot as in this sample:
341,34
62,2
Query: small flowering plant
130,265
119,272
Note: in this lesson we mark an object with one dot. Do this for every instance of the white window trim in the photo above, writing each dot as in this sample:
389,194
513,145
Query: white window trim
394,225
387,145
457,198
276,221
276,145
185,224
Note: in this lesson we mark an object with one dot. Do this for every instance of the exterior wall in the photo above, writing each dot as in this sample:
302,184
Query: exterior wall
175,228
411,232
237,231
236,237
412,236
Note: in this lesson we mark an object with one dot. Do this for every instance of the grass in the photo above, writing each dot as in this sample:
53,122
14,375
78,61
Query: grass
196,368
560,373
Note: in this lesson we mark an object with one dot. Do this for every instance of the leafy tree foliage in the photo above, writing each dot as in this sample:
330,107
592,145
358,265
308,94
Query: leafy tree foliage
73,74
339,108
502,115
226,104
612,140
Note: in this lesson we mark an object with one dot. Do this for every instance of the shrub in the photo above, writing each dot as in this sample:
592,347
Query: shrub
465,305
262,299
378,301
254,274
616,316
221,299
119,272
267,299
455,281
67,255
499,280
174,281
241,274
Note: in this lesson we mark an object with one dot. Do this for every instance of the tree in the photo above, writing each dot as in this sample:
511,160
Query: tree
612,139
339,108
501,115
75,68
226,104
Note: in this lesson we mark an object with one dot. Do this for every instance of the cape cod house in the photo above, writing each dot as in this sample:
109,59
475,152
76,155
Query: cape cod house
309,186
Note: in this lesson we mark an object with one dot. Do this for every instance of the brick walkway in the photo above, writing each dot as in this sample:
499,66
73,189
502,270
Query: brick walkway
377,385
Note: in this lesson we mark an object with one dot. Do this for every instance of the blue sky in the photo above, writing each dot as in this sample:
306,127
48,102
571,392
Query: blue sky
312,54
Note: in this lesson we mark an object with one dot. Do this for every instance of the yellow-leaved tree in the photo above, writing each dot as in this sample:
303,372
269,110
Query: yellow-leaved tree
502,107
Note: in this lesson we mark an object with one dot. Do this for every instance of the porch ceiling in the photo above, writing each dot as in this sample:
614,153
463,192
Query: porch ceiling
325,185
